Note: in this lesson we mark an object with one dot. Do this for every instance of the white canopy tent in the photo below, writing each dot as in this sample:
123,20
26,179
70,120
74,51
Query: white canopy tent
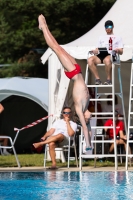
35,89
121,14
25,100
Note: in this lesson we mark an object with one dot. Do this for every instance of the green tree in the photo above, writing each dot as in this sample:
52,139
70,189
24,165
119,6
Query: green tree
67,20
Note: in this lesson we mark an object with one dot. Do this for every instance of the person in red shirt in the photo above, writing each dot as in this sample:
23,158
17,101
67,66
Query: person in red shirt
120,136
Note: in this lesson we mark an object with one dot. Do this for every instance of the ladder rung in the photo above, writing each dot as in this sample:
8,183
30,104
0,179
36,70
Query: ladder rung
102,113
101,99
100,65
99,93
102,127
99,86
111,117
99,155
102,141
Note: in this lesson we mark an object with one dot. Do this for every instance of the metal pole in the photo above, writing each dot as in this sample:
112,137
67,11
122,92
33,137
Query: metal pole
122,99
96,89
114,122
129,118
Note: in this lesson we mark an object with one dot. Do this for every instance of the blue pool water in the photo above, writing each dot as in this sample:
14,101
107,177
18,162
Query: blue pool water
56,185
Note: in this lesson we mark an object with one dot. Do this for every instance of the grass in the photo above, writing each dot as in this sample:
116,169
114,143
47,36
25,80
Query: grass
37,160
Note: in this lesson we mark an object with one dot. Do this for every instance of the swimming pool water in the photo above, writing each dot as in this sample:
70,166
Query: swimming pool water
59,185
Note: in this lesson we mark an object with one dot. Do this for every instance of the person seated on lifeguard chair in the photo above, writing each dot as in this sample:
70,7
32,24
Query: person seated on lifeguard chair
108,48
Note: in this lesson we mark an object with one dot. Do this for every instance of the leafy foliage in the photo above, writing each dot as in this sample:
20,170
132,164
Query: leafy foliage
67,20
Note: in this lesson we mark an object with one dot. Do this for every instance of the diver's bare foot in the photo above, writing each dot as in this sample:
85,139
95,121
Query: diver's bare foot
41,21
37,145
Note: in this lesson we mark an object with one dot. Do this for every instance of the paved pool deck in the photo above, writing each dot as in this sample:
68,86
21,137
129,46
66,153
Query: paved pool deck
41,169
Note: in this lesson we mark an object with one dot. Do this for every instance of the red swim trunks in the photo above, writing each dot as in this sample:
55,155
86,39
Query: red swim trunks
71,74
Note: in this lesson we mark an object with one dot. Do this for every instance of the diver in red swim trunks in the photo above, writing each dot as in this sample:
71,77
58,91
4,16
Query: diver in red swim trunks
71,74
72,71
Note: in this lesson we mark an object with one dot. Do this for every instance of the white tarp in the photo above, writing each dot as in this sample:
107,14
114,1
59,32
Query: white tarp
35,89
